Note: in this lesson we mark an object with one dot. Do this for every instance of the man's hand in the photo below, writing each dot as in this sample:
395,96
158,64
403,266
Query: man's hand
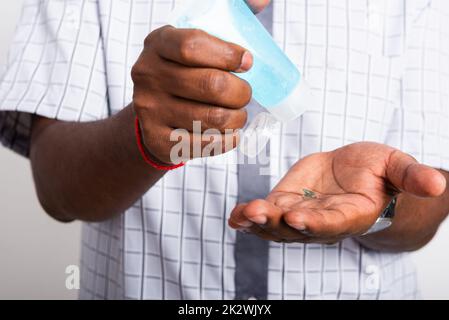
182,76
353,185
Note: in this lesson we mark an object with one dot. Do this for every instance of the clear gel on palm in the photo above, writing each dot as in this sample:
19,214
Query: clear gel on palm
276,82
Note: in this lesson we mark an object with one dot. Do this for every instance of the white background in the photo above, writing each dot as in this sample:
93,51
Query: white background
35,250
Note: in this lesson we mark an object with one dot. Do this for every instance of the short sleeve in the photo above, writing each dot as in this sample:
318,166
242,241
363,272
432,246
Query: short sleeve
55,69
420,126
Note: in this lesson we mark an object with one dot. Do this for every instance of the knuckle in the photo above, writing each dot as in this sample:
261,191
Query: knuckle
214,82
147,72
137,72
224,119
143,104
217,117
151,37
232,57
156,35
187,49
189,45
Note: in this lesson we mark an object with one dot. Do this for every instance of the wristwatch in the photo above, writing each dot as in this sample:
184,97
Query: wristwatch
386,218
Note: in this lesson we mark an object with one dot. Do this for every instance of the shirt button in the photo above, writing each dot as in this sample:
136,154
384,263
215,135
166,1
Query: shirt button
72,17
373,275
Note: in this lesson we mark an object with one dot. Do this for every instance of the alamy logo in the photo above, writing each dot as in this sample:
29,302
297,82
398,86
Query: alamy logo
215,146
72,281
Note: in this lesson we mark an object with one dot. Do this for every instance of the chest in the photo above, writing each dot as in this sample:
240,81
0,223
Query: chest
316,34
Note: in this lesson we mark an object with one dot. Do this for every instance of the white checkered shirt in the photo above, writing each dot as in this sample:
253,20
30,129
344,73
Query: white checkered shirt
380,70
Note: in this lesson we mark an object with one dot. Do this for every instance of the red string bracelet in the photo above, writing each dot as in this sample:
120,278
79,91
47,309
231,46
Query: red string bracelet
145,156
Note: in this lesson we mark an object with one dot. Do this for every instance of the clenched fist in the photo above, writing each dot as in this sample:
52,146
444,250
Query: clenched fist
184,75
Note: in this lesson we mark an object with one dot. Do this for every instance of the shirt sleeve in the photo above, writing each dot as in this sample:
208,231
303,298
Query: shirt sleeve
420,126
55,69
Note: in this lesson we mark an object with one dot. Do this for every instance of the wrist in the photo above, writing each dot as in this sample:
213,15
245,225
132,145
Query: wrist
411,230
385,219
147,156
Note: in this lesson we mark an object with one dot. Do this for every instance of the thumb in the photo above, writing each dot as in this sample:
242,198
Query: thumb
407,175
257,5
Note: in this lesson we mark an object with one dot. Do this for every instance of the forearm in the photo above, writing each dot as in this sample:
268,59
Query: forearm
416,222
89,171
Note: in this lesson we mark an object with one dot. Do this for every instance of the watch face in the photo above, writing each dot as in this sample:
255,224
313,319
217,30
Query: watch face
381,224
389,212
386,219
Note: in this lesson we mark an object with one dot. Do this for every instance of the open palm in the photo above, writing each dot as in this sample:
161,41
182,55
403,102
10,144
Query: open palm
329,196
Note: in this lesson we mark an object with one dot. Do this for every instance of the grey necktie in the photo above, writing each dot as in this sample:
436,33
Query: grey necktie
251,252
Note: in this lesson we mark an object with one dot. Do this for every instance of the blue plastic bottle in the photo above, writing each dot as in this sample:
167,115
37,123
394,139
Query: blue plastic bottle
276,82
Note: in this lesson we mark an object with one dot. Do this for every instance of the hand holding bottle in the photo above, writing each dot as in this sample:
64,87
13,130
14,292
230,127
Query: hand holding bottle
277,85
183,76
186,75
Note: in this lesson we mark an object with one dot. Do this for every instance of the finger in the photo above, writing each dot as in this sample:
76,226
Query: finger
196,48
240,221
406,174
263,234
260,211
257,5
316,223
324,241
345,221
198,117
237,220
205,85
269,217
176,146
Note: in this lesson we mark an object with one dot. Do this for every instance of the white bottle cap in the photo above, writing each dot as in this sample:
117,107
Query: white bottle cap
264,125
292,107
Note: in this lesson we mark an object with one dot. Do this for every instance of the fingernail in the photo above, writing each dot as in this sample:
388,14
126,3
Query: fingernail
306,232
246,63
245,224
260,220
300,227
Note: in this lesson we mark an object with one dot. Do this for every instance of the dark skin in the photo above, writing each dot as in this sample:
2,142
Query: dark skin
353,185
93,171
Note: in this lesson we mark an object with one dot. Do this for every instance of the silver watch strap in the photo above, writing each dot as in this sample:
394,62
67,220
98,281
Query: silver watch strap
386,218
